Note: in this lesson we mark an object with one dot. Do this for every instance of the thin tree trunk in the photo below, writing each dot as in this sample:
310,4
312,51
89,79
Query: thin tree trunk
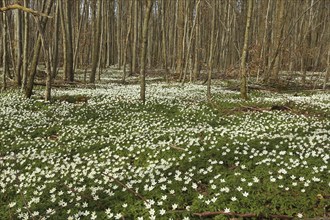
197,50
36,51
18,44
126,41
96,52
68,30
77,42
210,62
25,48
144,49
47,60
135,37
180,33
56,39
245,51
119,8
264,50
5,66
164,42
192,33
64,39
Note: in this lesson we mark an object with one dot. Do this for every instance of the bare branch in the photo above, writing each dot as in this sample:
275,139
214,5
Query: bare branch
22,8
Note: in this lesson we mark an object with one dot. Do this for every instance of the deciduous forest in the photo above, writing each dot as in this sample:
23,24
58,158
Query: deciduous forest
164,109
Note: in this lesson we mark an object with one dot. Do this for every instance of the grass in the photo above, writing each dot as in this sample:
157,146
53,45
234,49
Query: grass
84,154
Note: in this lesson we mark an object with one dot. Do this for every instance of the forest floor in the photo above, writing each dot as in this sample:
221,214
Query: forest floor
99,153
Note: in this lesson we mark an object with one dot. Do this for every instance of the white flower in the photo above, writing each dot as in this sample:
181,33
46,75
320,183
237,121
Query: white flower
118,216
255,179
35,213
94,216
162,211
152,212
233,198
299,215
245,194
49,211
174,206
227,210
12,204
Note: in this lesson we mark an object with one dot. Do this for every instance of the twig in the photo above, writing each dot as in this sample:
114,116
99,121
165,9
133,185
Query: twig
126,187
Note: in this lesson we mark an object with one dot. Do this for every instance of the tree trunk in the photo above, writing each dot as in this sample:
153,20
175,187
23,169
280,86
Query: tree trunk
67,40
135,37
127,40
196,68
144,49
164,41
5,65
18,45
36,51
245,51
327,74
119,33
180,39
25,48
279,33
210,62
192,33
55,41
47,60
77,41
96,44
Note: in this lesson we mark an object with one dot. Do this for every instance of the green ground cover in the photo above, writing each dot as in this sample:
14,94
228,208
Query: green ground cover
101,154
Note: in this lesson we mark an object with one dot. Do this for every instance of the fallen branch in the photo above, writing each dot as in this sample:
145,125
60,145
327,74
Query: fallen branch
177,148
22,8
242,215
250,108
